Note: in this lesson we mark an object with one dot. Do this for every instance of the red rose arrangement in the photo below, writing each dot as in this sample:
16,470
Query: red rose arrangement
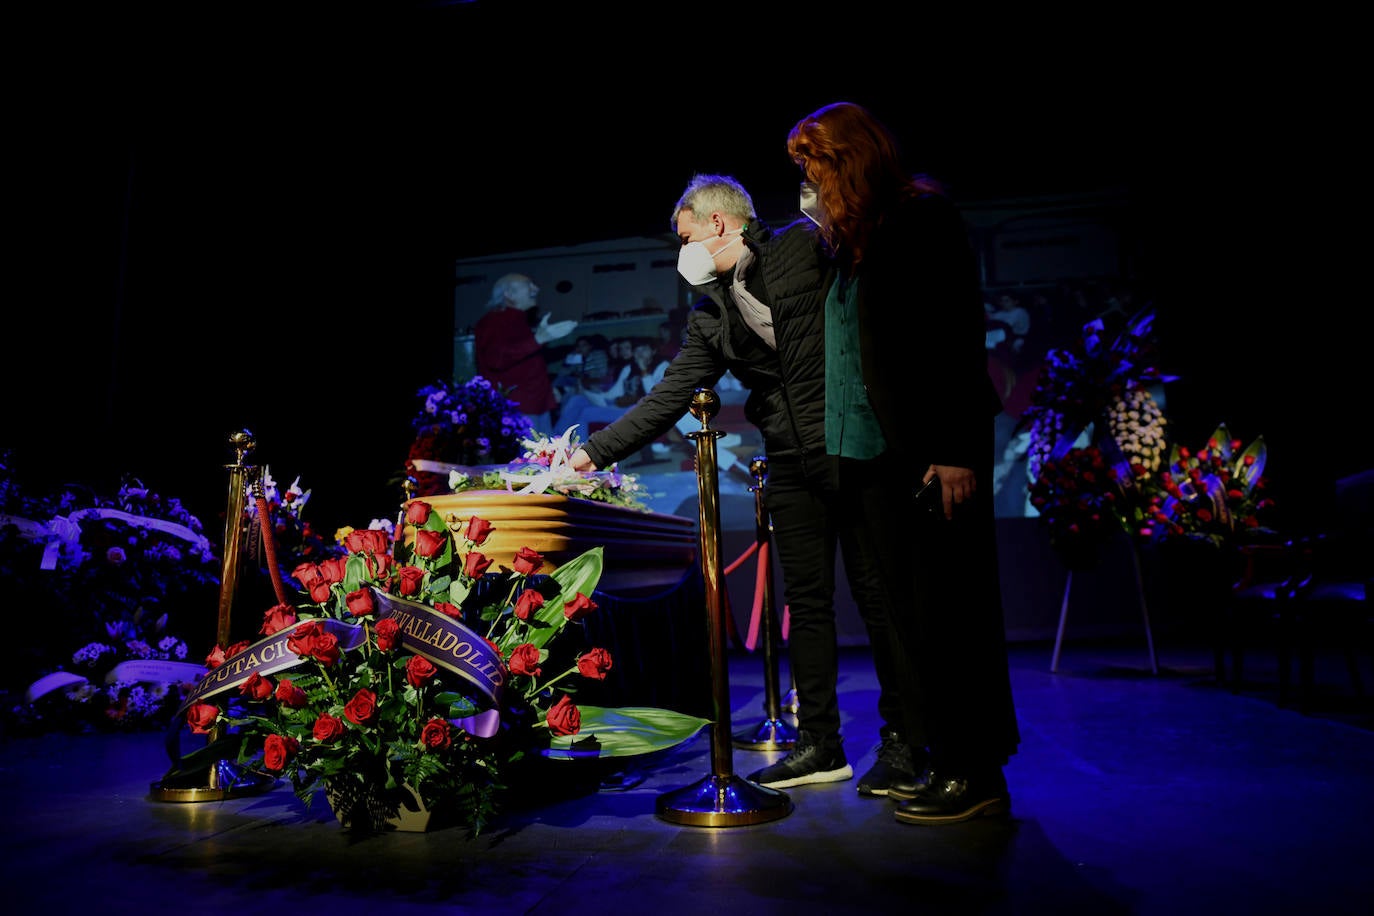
417,661
1215,495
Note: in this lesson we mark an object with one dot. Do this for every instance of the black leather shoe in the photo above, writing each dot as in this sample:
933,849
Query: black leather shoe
950,800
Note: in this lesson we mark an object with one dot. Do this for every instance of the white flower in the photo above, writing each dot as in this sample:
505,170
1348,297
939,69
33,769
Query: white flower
1135,422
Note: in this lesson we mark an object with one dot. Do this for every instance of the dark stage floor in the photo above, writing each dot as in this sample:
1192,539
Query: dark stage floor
1132,793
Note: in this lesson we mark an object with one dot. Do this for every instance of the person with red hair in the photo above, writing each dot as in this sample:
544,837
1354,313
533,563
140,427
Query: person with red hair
904,319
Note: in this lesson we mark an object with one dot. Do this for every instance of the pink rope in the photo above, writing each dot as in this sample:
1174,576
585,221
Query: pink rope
752,639
742,557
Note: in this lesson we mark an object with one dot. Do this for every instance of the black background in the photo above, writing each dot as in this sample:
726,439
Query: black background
235,218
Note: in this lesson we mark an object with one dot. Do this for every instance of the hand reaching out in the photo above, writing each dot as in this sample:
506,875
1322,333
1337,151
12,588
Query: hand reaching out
546,331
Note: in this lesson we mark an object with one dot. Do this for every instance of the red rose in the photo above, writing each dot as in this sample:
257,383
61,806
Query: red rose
306,574
530,600
451,610
595,664
359,603
256,687
579,607
277,619
429,544
235,649
327,728
215,658
563,717
524,659
411,578
371,541
201,717
420,671
277,751
325,649
527,561
475,565
362,709
303,638
417,513
435,736
379,565
477,531
379,543
321,591
334,569
288,694
388,634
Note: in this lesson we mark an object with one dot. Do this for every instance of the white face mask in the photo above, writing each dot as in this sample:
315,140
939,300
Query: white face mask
697,264
810,201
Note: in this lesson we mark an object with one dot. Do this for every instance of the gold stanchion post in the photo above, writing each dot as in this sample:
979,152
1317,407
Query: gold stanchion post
222,778
773,733
720,799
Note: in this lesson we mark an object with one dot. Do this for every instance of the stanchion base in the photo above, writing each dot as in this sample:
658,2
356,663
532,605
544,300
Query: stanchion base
723,801
227,780
768,735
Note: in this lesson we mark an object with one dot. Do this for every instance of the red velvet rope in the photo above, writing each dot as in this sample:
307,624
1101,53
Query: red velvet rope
270,545
742,557
761,571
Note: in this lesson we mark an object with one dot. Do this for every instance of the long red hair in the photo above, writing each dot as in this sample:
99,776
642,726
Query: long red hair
856,164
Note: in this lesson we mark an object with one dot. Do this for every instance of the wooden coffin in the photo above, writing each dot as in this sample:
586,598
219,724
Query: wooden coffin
642,550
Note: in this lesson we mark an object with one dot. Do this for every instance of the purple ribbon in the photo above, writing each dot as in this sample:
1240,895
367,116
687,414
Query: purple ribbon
424,631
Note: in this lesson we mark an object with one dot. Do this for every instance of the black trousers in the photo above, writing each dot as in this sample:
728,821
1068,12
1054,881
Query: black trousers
946,627
810,519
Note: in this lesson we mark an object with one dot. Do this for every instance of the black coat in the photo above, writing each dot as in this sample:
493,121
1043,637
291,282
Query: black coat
925,368
786,386
920,314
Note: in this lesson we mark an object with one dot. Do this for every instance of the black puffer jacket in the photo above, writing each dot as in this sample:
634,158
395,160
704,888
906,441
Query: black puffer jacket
786,387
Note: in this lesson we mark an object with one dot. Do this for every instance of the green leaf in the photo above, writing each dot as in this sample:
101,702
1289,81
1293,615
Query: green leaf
355,573
580,574
625,731
458,592
1249,475
1222,437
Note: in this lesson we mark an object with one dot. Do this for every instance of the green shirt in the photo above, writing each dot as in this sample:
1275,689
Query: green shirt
851,428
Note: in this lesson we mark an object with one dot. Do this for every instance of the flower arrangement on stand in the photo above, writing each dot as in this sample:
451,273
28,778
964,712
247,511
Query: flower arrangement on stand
467,425
1097,466
411,670
1215,495
1097,434
1080,501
